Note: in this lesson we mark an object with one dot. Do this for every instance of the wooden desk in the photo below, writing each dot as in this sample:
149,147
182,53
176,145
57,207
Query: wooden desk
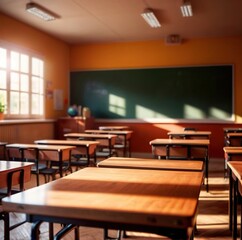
190,134
43,152
81,147
235,192
130,199
113,127
152,164
9,166
189,148
123,139
233,139
231,154
105,140
229,130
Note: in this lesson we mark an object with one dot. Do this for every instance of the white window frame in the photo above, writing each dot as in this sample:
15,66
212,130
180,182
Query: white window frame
39,112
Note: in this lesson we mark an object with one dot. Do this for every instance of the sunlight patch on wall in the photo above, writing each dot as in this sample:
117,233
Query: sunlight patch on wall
143,112
117,105
193,112
218,113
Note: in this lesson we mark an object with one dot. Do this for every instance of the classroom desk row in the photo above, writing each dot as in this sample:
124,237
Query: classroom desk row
12,174
146,197
178,148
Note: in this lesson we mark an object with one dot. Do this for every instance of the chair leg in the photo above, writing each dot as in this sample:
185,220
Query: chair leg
6,226
35,230
66,229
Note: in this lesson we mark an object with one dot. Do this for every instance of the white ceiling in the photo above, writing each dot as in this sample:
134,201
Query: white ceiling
83,21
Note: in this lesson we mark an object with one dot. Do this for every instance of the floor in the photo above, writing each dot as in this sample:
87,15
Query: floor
212,219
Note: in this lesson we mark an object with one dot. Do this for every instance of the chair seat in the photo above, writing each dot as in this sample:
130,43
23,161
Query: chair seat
41,166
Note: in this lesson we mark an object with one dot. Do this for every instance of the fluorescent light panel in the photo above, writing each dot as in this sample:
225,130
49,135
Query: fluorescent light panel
186,9
39,11
150,18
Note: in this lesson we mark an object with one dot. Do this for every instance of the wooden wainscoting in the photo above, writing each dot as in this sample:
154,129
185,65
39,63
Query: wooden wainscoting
26,131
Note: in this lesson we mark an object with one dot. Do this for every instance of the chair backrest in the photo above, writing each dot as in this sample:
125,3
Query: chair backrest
189,129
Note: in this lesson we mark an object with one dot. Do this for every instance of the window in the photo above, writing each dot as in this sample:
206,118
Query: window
21,83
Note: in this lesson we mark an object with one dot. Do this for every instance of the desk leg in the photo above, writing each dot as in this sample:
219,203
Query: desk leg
231,193
35,230
235,202
125,147
60,164
206,172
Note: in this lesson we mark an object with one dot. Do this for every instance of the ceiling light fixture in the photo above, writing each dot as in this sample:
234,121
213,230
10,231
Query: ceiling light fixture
150,18
40,12
186,9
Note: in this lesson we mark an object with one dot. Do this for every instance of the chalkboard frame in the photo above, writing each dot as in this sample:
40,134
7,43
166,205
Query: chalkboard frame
91,88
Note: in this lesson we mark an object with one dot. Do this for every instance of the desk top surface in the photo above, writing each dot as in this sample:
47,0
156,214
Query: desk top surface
67,142
145,197
6,166
168,141
190,133
236,167
227,130
144,163
115,132
113,127
40,146
88,135
234,134
233,150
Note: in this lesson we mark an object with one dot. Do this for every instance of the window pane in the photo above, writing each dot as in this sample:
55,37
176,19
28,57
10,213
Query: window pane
3,79
14,61
35,104
3,98
3,57
41,86
24,106
35,84
14,102
14,81
37,67
21,82
24,82
24,63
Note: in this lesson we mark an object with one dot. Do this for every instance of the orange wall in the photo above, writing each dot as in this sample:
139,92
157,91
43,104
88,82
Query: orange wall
54,52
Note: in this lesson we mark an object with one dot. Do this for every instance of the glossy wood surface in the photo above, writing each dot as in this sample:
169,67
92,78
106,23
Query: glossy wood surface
233,150
46,152
190,134
103,139
155,164
153,198
90,145
113,127
168,141
126,133
236,167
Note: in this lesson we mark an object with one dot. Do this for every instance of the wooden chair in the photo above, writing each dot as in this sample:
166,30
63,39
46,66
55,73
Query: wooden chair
19,174
31,155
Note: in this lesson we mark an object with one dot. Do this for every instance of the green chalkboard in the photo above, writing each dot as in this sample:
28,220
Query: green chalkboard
200,92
